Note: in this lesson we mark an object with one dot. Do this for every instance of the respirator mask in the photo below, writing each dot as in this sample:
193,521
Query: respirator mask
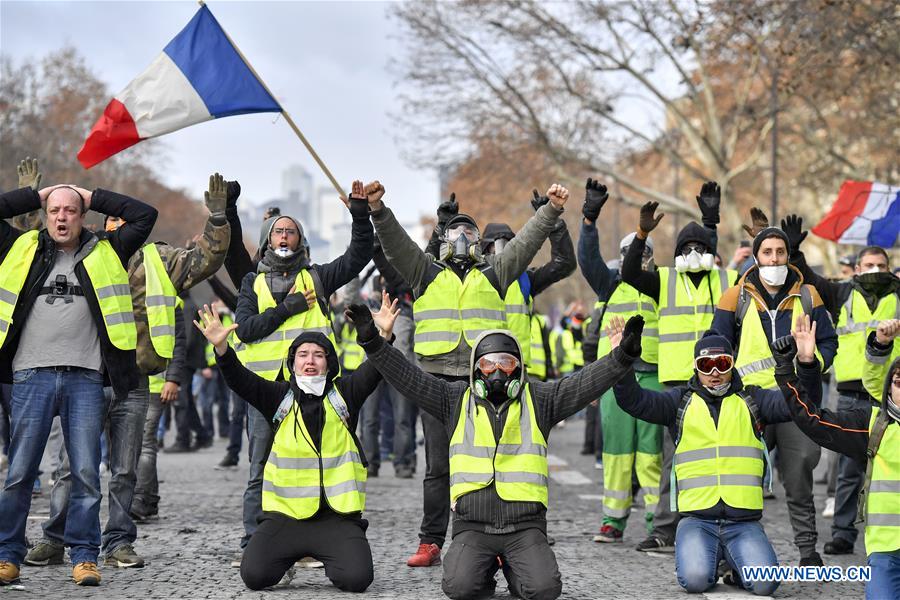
694,258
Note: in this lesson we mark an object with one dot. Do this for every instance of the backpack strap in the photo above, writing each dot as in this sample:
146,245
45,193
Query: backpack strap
875,436
319,288
339,405
746,395
806,301
743,303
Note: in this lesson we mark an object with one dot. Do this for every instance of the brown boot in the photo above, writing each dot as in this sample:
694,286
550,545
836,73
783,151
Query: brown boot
86,573
9,573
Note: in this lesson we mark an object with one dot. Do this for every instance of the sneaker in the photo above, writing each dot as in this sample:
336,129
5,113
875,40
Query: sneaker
86,573
236,562
403,472
813,560
308,562
45,553
598,465
124,557
428,555
608,533
178,449
230,460
142,513
654,544
585,450
838,546
9,573
828,511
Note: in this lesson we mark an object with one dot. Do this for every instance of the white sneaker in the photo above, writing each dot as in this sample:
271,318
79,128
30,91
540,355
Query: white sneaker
828,511
310,563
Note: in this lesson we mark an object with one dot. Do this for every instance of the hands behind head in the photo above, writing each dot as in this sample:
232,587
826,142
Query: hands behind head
86,195
210,325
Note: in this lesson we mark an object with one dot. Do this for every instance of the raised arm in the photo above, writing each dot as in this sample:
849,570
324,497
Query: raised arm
237,260
29,175
401,251
347,266
139,220
591,262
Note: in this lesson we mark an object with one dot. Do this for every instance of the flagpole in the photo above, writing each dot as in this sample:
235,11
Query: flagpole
287,117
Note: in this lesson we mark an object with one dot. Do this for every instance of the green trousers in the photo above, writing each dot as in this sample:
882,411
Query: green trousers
629,443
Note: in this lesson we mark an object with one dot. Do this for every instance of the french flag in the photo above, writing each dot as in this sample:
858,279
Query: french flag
199,76
866,213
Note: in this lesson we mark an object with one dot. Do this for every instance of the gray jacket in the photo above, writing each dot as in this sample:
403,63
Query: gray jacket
414,264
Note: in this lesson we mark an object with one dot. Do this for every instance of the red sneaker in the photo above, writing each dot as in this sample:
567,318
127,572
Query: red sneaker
428,555
608,534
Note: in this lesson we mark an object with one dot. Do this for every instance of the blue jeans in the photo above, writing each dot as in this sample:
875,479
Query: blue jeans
5,395
210,392
700,544
885,582
261,436
38,395
125,419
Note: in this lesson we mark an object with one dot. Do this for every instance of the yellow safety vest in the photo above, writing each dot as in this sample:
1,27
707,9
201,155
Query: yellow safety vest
537,363
352,354
724,461
518,318
626,302
450,310
210,350
296,472
266,356
854,324
883,497
516,464
156,382
571,349
685,313
108,279
160,299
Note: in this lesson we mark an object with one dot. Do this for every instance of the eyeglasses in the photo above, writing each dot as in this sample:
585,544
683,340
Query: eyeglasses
454,232
722,363
284,231
504,361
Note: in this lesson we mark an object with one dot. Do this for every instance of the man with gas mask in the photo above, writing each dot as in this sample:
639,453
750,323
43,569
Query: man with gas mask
628,443
284,297
857,305
686,296
497,422
720,459
313,491
157,274
763,306
458,295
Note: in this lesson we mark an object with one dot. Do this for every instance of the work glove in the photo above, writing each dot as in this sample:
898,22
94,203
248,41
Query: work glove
792,225
361,317
538,200
631,336
217,196
29,174
758,222
595,196
709,199
296,303
359,208
447,210
232,194
649,220
784,349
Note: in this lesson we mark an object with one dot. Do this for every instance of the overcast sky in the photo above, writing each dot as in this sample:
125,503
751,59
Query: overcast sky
326,62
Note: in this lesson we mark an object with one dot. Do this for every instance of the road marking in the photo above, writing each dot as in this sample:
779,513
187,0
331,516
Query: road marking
591,496
570,478
555,461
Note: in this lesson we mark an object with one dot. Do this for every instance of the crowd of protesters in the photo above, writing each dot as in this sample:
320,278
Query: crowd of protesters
702,384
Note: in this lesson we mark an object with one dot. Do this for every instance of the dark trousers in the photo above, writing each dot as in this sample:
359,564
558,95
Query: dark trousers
850,479
279,541
529,565
187,419
665,522
436,485
237,428
401,426
593,440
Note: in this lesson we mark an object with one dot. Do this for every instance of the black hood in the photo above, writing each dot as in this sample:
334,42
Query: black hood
496,231
692,232
322,340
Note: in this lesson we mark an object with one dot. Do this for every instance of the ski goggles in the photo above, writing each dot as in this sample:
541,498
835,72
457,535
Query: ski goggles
469,231
504,361
720,362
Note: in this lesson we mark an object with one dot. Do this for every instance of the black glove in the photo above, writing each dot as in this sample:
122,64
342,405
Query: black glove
447,210
648,221
295,303
359,208
232,194
792,226
631,337
708,201
537,200
595,196
361,317
784,349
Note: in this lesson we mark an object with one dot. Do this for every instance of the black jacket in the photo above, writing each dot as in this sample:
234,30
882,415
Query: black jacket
120,369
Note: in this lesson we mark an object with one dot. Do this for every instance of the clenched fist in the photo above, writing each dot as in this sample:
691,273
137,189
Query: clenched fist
558,195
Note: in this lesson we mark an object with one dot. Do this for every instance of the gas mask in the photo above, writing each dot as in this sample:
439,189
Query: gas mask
497,377
774,275
461,243
693,259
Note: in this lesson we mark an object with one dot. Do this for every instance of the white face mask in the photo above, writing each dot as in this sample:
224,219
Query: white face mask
694,262
774,275
311,384
718,390
284,252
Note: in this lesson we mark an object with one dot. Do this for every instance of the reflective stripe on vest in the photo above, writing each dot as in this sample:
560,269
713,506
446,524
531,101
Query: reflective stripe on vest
13,272
266,356
110,282
853,326
685,313
296,473
571,349
626,302
352,354
450,310
518,318
537,364
724,461
754,362
883,497
161,298
517,464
